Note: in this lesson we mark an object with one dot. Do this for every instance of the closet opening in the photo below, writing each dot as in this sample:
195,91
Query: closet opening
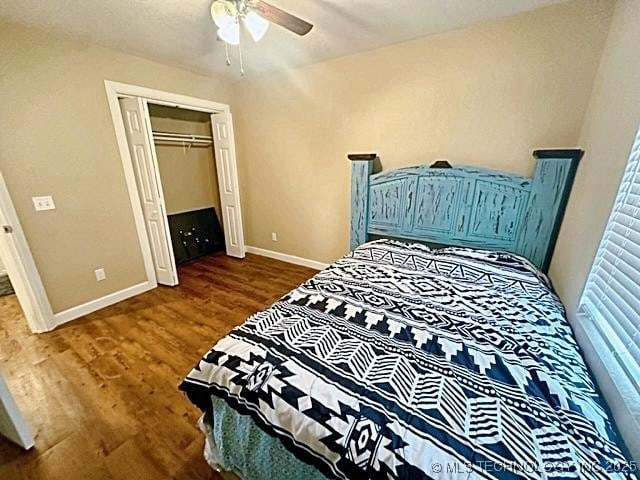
179,161
183,143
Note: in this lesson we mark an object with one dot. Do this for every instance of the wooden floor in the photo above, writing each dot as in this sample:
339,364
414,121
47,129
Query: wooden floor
100,392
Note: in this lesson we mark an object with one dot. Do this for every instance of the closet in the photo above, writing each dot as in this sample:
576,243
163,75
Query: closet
180,168
184,150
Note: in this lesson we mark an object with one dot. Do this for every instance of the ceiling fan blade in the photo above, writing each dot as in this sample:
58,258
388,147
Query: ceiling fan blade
282,18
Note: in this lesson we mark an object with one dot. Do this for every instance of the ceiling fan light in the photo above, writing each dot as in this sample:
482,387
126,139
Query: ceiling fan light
230,34
223,13
256,25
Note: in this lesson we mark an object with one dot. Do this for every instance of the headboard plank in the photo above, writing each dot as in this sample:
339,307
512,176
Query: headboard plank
552,184
360,174
465,206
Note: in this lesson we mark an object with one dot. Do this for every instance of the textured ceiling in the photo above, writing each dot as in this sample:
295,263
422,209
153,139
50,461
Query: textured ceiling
181,32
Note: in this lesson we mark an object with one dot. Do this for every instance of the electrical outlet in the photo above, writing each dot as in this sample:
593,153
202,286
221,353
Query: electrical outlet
100,274
274,236
43,203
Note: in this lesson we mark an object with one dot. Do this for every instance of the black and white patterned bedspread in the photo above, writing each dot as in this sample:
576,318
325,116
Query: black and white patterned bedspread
402,362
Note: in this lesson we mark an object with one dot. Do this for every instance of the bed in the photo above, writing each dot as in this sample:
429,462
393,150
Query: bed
406,361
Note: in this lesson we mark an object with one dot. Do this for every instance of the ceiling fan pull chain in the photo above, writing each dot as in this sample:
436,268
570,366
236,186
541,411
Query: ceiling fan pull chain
241,60
226,51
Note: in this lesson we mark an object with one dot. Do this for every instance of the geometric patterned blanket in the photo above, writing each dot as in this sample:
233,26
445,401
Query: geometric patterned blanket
403,362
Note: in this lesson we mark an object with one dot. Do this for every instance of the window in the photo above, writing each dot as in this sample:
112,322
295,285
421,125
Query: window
611,298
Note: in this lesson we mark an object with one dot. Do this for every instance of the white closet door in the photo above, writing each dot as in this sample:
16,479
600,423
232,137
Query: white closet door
12,425
138,128
224,145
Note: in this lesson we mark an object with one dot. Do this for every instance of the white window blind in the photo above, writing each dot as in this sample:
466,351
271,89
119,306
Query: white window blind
611,297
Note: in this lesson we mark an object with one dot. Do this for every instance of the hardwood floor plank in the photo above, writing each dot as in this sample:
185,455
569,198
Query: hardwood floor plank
101,392
130,461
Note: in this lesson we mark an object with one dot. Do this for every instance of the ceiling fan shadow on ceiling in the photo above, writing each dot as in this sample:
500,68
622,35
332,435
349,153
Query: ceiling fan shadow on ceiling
256,16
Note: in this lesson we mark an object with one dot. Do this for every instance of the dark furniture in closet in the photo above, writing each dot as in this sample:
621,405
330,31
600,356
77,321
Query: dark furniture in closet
195,233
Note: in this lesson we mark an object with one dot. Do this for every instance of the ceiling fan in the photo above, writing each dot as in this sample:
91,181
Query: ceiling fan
255,15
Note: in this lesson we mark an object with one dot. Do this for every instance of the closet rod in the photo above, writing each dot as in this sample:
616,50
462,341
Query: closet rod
182,140
181,136
186,145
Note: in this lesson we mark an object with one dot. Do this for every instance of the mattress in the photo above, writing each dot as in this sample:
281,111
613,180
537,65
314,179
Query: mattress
399,361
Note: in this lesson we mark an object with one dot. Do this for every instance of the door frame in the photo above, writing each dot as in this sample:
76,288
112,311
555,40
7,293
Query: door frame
22,269
18,430
115,90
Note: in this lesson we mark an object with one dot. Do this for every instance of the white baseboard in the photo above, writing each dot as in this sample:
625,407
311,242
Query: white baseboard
305,262
99,303
94,305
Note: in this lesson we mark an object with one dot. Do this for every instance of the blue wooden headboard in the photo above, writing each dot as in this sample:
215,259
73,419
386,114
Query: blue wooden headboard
464,206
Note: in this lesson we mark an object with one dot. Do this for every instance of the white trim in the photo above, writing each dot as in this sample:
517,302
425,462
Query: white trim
161,97
284,257
130,179
618,389
624,361
94,305
22,269
17,430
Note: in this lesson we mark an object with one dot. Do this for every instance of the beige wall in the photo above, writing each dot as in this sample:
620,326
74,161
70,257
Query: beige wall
189,178
487,95
609,128
612,119
56,137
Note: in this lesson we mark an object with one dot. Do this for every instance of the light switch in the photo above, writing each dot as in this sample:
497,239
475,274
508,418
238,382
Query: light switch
100,274
43,203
